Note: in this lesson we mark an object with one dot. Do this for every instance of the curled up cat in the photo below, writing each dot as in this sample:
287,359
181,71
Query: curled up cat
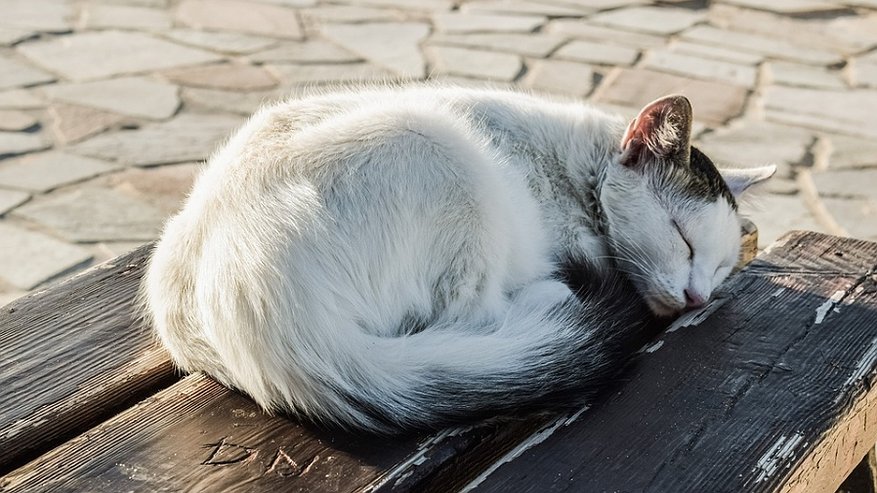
402,257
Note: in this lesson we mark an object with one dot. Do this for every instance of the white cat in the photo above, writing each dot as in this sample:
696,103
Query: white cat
391,258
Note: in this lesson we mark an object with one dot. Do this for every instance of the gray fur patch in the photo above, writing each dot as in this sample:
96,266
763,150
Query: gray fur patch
699,179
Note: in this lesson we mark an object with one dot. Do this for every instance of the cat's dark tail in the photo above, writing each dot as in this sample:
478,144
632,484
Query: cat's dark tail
552,350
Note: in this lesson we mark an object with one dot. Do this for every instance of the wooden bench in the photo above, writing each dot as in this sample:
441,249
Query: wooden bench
766,389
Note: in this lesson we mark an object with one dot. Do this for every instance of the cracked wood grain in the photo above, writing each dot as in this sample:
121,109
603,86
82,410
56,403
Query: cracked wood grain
74,355
771,392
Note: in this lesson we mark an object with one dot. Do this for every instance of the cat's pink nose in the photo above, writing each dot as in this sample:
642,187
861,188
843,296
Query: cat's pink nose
693,299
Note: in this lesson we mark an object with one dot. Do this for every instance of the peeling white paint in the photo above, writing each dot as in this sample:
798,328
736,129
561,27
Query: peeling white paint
830,303
853,297
575,416
654,347
695,317
781,451
401,472
404,476
534,439
864,365
406,469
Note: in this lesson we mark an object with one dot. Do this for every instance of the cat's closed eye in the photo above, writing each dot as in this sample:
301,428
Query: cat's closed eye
687,243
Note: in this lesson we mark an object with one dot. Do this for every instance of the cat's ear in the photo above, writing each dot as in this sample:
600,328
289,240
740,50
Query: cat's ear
739,179
661,130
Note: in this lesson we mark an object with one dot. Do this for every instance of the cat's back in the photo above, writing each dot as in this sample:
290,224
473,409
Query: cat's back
335,202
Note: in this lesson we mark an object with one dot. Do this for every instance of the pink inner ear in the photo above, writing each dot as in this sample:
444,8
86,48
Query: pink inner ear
639,128
628,135
632,144
651,118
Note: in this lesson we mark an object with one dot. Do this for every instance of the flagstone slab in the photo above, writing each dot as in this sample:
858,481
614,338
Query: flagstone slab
98,54
14,73
580,28
20,99
847,183
847,34
800,75
38,15
243,103
49,170
297,75
232,76
653,20
534,45
139,3
10,199
596,52
849,111
163,187
606,4
757,43
414,5
220,41
712,52
789,6
481,64
10,35
95,214
758,143
188,137
858,216
16,121
852,152
338,14
560,77
713,102
460,23
392,45
864,72
291,3
98,16
469,82
527,7
240,16
776,215
312,51
21,142
701,68
133,96
28,258
72,123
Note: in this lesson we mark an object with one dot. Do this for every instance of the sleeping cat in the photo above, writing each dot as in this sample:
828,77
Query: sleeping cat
395,258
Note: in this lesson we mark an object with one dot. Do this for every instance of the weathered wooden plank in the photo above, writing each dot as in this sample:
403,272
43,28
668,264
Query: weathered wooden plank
72,356
197,433
769,393
200,436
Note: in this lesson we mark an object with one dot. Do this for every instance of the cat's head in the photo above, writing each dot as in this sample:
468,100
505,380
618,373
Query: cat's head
671,214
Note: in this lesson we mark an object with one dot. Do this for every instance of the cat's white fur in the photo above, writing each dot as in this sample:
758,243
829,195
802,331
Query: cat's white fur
344,253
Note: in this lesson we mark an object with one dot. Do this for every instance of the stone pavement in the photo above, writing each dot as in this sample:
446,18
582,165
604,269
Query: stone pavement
108,106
